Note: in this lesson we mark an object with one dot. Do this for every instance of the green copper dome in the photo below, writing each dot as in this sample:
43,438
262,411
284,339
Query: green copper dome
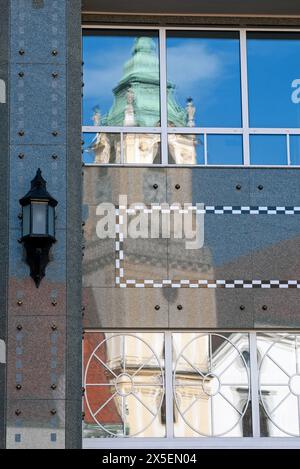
139,91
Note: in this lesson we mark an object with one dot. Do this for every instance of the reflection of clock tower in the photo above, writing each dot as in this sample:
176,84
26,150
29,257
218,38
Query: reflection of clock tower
136,104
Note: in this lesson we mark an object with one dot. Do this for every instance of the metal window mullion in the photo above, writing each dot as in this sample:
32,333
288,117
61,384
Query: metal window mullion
121,148
205,149
163,96
254,385
244,91
169,399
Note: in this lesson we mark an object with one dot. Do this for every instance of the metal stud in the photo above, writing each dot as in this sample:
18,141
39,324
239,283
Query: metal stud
20,216
179,307
157,308
21,156
19,327
238,187
83,415
242,307
155,186
265,307
54,157
54,74
53,411
21,74
53,387
21,133
54,327
21,52
18,412
54,52
18,387
260,187
177,187
54,303
19,302
55,133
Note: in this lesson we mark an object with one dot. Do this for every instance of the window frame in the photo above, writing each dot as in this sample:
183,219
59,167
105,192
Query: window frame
245,131
171,441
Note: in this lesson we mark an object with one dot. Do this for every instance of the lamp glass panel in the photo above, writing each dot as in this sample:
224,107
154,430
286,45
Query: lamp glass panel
26,220
39,218
51,222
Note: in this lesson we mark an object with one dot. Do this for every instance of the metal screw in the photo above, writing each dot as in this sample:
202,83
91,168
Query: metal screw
21,51
19,302
177,187
157,308
18,387
242,307
55,74
21,156
18,412
54,52
54,327
54,302
265,307
238,187
53,386
260,187
179,307
21,74
21,133
155,186
53,411
19,327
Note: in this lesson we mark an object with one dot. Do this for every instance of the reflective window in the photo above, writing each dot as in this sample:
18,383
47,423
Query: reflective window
268,150
203,70
186,149
224,149
295,149
274,79
121,76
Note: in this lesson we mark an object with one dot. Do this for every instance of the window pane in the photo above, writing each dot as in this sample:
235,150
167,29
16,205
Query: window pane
224,149
39,217
268,150
274,79
203,71
141,148
279,383
186,149
26,220
295,149
124,385
121,76
211,384
102,148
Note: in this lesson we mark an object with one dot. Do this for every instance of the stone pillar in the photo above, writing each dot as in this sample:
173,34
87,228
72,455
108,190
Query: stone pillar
43,401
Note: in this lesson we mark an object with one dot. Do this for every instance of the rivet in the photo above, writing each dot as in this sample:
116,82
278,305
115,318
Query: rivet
21,133
20,216
54,327
54,74
177,187
55,133
21,156
18,387
54,157
18,412
83,415
54,302
179,307
265,307
157,308
21,51
19,327
53,386
242,307
54,52
52,411
260,187
19,302
238,187
21,74
155,186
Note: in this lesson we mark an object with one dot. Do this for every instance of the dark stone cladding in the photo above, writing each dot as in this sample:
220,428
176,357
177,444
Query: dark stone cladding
4,177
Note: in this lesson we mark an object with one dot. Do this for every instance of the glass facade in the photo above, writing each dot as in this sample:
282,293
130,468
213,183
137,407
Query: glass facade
237,92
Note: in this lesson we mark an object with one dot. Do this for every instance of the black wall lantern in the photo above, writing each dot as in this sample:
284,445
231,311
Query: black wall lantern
38,226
